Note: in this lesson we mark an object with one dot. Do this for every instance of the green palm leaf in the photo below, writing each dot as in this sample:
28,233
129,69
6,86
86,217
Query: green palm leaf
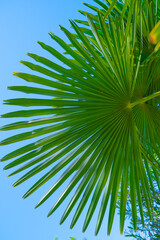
103,106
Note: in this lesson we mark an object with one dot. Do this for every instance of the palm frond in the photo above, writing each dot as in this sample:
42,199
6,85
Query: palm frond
103,106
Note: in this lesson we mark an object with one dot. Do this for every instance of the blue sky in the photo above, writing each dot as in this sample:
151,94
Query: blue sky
22,24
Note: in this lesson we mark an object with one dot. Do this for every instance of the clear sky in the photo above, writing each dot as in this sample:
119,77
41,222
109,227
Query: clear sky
22,24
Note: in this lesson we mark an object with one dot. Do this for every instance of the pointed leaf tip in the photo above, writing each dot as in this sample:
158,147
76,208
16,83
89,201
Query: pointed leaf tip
24,196
30,54
51,33
1,143
11,174
81,12
49,214
72,225
15,74
40,43
5,168
3,159
61,221
38,204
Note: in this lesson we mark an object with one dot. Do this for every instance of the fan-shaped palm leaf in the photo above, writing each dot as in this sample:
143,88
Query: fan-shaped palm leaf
103,106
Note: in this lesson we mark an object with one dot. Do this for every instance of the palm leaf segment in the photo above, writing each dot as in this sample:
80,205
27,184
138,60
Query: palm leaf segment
101,113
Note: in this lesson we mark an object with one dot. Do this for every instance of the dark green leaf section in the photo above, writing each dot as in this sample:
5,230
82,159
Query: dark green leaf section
98,116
